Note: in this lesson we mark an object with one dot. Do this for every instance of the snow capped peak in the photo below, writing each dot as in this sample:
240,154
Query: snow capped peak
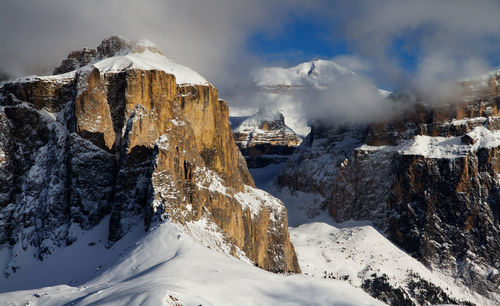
116,54
119,54
315,73
117,45
296,90
151,61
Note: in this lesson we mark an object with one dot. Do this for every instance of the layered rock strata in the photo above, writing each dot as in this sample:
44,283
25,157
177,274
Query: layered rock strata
430,180
264,138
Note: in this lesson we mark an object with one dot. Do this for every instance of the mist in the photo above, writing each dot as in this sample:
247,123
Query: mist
347,104
423,46
208,36
448,39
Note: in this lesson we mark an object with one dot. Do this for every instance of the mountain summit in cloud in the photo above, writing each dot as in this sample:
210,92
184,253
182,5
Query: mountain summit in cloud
314,90
128,140
116,54
316,73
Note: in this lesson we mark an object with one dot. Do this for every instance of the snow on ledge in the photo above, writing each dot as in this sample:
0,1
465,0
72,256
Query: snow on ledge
442,147
452,147
251,198
59,78
151,61
255,199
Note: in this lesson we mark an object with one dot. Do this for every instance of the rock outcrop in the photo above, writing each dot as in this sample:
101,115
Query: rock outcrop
120,139
430,180
264,138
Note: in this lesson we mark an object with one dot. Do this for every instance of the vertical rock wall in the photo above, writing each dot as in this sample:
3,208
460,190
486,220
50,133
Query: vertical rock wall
133,145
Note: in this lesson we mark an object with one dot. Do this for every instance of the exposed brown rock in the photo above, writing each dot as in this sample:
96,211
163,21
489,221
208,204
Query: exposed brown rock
92,113
441,120
42,93
468,140
136,146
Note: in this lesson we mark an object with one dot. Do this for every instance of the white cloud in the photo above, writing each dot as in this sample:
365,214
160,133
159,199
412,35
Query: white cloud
450,38
208,35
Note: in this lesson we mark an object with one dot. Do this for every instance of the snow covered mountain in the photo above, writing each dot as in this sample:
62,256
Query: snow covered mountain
428,179
119,138
290,90
118,54
317,73
120,183
358,253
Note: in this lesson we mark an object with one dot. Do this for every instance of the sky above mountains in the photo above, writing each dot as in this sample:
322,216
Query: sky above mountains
394,42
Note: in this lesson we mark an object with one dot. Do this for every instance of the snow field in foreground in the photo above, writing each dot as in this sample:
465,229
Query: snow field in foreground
166,267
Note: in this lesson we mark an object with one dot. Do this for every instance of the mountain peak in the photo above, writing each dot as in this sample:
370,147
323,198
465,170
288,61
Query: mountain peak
118,45
316,73
116,54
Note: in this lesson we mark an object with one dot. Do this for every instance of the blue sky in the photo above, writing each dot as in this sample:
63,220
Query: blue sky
305,38
301,39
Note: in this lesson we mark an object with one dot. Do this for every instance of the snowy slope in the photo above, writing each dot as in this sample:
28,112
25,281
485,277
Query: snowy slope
444,147
351,251
355,250
145,55
165,267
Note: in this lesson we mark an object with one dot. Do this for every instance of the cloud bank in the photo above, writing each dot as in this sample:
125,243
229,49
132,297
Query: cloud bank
446,39
420,46
208,36
398,43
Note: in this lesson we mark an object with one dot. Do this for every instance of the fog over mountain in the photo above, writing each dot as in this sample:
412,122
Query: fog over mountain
446,39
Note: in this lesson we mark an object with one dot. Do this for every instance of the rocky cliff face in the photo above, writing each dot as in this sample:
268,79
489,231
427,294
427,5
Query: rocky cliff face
430,180
264,138
125,140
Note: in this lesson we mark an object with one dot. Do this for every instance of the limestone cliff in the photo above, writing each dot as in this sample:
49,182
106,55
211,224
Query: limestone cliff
134,137
429,179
